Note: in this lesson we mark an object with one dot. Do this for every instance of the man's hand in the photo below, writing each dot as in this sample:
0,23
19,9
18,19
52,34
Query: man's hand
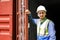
27,11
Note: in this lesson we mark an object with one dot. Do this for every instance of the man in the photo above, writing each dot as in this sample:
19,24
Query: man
45,27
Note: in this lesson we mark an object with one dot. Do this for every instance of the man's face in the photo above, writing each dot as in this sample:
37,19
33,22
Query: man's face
41,14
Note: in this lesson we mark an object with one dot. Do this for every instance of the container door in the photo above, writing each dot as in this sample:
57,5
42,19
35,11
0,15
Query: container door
6,19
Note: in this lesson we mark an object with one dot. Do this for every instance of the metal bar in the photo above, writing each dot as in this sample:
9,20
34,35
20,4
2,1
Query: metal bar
23,21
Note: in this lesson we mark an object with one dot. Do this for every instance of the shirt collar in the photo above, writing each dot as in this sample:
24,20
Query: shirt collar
43,20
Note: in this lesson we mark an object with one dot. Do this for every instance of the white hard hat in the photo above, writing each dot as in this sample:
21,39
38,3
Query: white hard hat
41,8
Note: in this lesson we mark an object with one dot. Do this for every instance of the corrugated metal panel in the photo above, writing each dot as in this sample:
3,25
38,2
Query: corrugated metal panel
6,19
5,27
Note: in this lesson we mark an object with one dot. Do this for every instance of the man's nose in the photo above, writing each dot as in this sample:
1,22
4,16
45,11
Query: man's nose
41,14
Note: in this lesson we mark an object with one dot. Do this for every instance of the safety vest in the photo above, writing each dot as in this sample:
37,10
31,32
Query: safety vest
43,28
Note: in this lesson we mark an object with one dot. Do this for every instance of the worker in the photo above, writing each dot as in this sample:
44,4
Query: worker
45,27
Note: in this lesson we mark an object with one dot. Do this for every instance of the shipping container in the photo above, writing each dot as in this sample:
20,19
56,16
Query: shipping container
13,20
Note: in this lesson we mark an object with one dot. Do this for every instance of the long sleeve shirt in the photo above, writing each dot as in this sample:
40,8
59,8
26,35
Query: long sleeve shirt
51,29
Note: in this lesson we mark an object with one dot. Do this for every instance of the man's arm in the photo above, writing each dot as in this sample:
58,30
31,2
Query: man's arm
30,18
32,29
52,31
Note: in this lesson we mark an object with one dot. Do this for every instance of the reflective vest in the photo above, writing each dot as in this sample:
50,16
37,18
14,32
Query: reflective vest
42,29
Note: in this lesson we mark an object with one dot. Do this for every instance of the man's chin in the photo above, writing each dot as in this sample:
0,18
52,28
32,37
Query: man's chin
41,18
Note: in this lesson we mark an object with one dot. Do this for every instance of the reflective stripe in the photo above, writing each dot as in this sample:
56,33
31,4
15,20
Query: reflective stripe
46,32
